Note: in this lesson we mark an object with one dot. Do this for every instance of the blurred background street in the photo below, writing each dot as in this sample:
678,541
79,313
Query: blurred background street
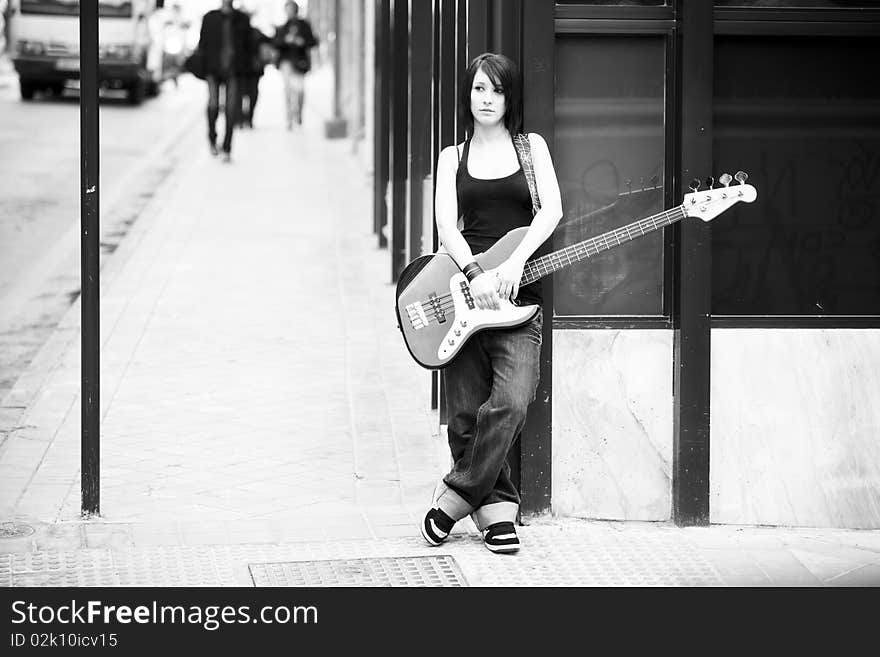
39,207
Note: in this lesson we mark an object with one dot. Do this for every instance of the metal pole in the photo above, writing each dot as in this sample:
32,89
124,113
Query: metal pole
336,127
90,254
337,29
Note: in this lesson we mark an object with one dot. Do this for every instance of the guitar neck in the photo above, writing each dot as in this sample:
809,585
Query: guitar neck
547,264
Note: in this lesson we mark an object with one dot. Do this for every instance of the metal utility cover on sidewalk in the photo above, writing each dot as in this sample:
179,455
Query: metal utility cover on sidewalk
440,570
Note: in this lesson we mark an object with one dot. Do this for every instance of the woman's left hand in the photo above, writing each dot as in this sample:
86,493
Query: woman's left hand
507,277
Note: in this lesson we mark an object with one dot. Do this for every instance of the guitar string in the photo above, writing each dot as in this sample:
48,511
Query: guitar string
582,248
555,261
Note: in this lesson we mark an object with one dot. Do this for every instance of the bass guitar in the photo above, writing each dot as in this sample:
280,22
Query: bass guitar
437,314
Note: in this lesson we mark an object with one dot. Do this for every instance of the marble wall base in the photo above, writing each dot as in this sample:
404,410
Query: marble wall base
795,427
612,424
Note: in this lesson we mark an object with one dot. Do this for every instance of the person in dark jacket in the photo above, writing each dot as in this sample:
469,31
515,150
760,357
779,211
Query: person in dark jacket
226,45
293,40
250,82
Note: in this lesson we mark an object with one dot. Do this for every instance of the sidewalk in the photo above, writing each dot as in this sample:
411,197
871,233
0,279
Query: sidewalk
259,407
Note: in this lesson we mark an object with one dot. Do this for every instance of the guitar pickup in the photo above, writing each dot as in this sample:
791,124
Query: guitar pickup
466,293
437,307
416,314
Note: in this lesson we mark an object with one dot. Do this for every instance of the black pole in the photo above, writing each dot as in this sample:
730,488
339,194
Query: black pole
90,253
692,346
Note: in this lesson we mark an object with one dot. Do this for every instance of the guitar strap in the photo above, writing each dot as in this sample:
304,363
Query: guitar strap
524,151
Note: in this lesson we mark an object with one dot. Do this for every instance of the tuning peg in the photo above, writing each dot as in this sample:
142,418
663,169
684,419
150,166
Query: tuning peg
655,180
629,185
710,182
695,185
725,179
741,176
642,182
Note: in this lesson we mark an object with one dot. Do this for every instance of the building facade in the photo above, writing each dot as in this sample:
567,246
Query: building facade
722,372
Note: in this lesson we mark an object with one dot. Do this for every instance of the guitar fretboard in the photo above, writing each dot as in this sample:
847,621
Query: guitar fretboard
547,264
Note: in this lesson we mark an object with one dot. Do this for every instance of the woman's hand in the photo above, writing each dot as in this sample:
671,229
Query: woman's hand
483,289
507,277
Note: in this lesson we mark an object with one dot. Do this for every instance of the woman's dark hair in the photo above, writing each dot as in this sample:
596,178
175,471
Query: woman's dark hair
504,73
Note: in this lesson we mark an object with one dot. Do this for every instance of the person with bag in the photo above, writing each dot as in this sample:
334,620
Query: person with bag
263,53
226,52
496,180
294,40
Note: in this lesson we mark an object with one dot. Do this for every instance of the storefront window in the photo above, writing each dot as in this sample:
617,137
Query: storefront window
802,117
609,157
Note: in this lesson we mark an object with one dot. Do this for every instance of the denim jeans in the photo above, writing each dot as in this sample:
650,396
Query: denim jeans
489,387
294,91
230,106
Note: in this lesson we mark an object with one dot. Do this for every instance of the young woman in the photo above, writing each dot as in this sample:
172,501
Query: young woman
491,382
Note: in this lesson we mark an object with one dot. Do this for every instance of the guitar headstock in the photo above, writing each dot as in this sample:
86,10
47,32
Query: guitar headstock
712,201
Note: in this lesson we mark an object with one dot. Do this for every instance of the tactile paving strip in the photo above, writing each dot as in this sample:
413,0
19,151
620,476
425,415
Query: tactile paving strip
439,570
573,554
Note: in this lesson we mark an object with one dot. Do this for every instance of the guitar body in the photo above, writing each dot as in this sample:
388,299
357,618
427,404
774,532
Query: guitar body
435,311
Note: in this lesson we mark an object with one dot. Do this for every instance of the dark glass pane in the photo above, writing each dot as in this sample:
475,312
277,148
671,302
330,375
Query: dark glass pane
802,116
604,3
609,141
801,4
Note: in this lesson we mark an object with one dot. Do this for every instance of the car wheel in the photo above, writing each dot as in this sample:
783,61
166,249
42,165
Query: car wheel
136,92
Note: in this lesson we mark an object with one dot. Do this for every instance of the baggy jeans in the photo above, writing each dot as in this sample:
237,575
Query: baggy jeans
489,387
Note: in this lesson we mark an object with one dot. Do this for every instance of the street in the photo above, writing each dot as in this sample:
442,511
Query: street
40,197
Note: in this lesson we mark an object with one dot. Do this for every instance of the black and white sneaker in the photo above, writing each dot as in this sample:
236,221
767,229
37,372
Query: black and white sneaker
436,526
501,537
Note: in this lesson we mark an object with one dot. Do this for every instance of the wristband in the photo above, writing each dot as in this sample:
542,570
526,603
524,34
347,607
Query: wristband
472,270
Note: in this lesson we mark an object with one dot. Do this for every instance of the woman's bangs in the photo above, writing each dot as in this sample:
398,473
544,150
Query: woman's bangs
495,74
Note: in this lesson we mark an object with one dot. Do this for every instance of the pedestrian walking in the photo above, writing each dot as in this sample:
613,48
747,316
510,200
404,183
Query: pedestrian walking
174,29
294,40
487,180
250,81
225,44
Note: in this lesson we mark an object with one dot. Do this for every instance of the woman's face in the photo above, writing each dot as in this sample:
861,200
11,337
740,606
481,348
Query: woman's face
488,103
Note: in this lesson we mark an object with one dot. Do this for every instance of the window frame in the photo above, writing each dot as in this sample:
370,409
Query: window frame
602,20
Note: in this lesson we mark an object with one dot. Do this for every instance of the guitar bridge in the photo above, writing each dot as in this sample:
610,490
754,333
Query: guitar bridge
416,314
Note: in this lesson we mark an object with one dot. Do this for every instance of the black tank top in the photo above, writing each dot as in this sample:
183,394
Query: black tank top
490,208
